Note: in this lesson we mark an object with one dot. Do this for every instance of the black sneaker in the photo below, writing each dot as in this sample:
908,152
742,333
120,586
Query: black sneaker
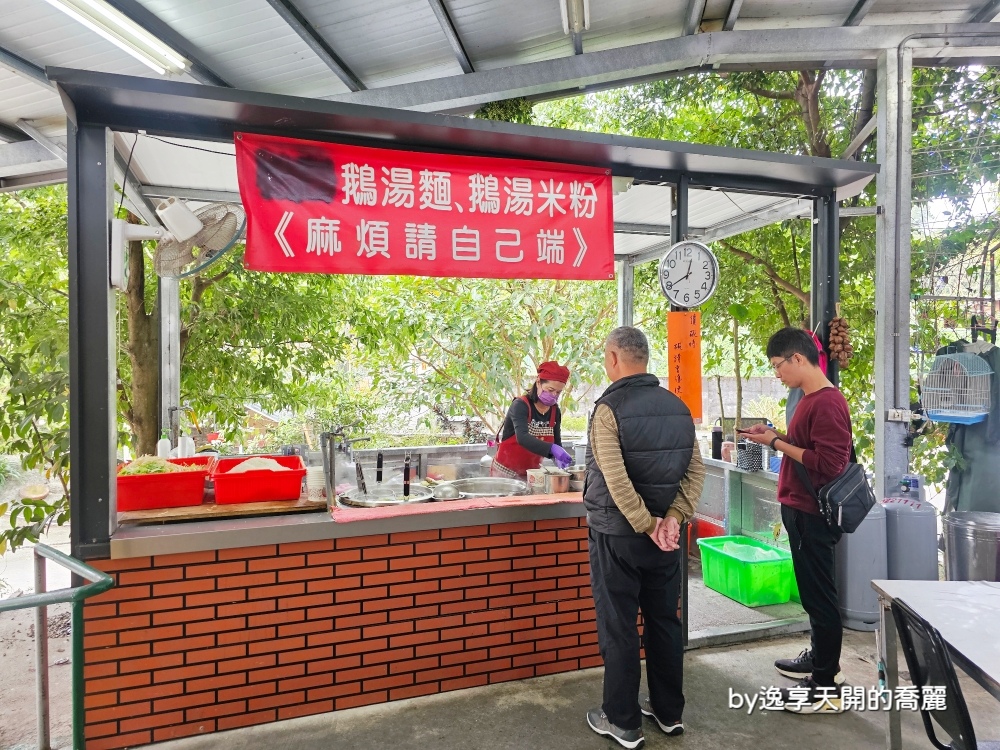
806,697
801,667
630,738
673,730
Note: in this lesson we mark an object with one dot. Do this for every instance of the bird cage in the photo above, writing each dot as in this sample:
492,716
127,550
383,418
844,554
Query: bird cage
957,389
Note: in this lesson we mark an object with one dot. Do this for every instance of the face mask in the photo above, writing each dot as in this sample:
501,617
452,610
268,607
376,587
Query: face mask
547,397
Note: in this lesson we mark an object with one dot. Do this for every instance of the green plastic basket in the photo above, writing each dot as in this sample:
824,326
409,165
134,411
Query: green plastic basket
752,583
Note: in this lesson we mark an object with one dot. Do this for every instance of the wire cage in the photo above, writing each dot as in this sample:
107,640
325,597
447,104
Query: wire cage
957,389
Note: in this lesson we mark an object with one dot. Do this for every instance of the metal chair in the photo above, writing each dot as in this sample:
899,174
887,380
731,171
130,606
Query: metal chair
930,665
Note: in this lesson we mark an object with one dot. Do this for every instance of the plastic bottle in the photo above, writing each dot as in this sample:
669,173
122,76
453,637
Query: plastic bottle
163,445
185,446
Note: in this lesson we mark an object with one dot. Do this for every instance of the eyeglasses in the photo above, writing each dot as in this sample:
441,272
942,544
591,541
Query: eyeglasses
777,367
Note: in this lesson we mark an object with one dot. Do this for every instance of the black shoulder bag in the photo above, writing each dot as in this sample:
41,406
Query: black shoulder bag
846,499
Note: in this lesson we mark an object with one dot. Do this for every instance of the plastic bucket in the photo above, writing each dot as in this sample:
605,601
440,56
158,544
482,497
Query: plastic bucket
972,546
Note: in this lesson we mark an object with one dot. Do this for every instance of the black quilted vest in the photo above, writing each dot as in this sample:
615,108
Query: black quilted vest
657,438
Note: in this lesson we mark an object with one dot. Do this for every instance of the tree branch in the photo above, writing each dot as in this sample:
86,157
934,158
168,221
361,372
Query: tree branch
768,94
768,271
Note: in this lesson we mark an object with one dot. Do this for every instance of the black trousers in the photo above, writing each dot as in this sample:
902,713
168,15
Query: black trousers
629,573
812,544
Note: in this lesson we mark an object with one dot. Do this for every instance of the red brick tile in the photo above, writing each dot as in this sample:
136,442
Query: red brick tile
244,692
523,587
214,683
277,591
389,603
440,572
354,595
282,562
437,546
465,631
360,542
506,675
105,669
246,608
556,571
434,649
97,611
150,575
260,661
247,580
576,628
113,566
276,618
460,558
497,639
215,626
183,615
561,618
245,553
578,652
334,611
284,672
485,542
173,588
359,621
464,682
178,731
305,601
387,683
124,682
591,662
365,699
532,563
99,700
414,665
218,654
361,673
387,552
442,673
334,691
415,613
92,731
337,583
516,624
533,537
299,548
217,709
437,597
188,700
557,523
120,740
337,635
487,667
322,572
413,691
437,623
334,558
503,553
482,592
277,645
101,640
417,561
116,623
247,720
464,532
116,653
114,713
403,537
572,604
379,579
413,639
452,608
574,558
513,649
533,610
491,615
361,647
578,534
320,666
515,527
246,635
185,673
304,709
305,682
314,651
492,567
217,570
151,722
464,657
150,663
184,558
512,576
304,628
387,655
532,635
183,644
417,587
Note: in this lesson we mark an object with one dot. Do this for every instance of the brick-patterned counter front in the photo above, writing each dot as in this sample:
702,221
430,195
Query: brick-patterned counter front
206,641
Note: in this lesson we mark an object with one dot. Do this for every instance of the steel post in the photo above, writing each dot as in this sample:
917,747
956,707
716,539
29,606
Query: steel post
79,712
892,266
92,399
41,659
679,215
625,275
825,272
170,356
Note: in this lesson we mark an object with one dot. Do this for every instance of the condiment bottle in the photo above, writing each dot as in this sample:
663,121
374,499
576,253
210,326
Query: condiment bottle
163,445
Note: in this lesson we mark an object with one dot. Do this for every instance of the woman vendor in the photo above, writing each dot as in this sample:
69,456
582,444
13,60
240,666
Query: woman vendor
530,430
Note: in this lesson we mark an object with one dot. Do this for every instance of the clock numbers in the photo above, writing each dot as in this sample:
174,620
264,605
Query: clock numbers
689,274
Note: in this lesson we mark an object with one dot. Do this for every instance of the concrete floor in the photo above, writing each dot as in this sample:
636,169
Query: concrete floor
548,712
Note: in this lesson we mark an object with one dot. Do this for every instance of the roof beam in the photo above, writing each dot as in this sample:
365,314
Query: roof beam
695,12
987,13
132,190
308,33
859,12
138,14
56,149
191,194
23,68
11,135
789,49
625,227
27,157
860,138
734,12
10,184
451,33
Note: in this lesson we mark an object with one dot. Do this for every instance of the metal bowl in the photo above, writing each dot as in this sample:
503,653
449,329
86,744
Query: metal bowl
490,487
447,491
577,473
380,497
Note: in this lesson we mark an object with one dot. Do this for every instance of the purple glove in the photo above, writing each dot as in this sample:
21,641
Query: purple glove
561,457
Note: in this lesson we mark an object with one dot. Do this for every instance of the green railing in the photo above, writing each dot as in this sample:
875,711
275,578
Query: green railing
40,600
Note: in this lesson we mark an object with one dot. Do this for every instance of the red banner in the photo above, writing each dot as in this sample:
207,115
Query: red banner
329,208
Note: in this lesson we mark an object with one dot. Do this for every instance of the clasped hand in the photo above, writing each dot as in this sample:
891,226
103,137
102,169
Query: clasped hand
666,534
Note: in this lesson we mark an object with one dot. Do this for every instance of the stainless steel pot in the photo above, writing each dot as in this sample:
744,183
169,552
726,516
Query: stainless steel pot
556,483
577,473
972,546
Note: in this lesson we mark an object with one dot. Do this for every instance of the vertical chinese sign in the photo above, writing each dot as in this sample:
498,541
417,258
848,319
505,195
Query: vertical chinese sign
330,208
684,347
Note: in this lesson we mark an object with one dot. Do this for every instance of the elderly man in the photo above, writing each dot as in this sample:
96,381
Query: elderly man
644,479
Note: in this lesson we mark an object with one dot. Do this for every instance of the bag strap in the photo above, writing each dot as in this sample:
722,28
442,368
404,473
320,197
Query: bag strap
800,469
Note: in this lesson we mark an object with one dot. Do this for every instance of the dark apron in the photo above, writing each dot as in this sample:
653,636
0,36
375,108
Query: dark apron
512,461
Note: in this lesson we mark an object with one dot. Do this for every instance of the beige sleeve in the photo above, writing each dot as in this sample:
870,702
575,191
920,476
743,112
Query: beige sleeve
689,493
606,445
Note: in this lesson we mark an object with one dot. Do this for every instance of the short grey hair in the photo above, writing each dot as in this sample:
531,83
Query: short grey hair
631,342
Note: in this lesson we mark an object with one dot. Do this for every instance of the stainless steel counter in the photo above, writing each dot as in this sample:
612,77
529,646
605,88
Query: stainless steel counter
741,502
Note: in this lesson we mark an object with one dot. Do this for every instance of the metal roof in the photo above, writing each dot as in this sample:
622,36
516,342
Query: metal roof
451,55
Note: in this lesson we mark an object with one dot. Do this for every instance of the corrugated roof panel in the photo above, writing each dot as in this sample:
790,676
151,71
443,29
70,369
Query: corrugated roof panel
632,244
708,207
615,23
45,36
493,41
26,100
248,44
644,204
385,42
183,163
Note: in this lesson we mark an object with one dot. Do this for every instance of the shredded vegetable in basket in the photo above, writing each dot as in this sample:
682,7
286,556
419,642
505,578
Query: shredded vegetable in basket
257,463
153,465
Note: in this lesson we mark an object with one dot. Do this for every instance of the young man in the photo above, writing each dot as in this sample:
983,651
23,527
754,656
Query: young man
644,479
819,438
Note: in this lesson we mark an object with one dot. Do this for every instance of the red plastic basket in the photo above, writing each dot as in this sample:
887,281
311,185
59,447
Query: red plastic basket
176,490
257,486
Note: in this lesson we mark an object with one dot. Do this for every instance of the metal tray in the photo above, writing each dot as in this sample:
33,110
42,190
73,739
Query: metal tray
490,487
381,497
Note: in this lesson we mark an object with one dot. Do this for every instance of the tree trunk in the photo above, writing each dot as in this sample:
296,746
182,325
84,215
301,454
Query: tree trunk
722,405
144,355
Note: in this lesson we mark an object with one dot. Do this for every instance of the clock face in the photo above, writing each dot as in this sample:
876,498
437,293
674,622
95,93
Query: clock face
689,274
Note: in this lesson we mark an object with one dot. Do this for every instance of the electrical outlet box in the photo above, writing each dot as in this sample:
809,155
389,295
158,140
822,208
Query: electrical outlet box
899,415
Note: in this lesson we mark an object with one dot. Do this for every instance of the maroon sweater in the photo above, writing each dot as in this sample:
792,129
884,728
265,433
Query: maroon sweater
822,426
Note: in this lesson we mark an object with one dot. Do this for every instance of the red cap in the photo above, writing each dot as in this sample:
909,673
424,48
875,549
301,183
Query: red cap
553,371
